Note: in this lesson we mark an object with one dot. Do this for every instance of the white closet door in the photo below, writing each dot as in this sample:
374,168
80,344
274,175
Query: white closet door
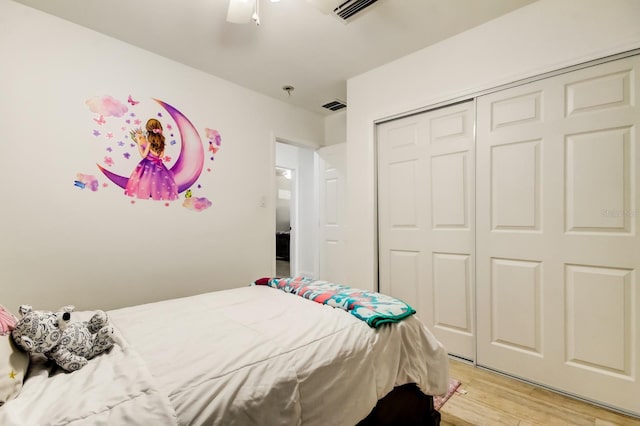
331,195
557,216
426,222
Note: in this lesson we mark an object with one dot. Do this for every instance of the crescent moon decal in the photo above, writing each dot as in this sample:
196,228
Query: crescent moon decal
188,167
121,181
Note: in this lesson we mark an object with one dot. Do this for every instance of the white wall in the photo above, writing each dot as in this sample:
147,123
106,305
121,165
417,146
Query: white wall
544,36
283,198
60,244
335,128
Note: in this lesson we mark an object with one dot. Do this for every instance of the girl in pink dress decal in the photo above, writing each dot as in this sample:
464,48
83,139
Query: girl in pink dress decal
151,178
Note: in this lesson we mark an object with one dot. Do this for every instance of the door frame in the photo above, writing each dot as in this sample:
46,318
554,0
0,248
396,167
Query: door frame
295,208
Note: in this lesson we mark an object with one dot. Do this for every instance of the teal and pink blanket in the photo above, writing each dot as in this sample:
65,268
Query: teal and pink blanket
373,308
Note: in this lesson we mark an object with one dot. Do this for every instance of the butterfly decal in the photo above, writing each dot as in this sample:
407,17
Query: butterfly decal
213,135
215,140
96,133
131,101
100,120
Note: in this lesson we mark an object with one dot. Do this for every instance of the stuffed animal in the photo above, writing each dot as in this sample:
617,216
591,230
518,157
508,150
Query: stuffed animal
70,345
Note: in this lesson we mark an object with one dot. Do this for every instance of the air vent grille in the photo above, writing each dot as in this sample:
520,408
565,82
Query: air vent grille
335,105
349,8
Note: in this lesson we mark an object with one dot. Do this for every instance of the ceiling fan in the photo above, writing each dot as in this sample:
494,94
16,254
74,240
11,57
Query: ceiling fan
245,11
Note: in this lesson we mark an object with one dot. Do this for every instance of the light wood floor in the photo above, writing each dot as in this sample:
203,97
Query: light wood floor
282,268
493,399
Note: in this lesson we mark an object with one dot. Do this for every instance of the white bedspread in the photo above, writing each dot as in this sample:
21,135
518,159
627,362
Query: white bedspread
259,356
249,356
115,388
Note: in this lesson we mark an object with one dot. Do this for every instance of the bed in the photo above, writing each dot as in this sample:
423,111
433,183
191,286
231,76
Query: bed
248,356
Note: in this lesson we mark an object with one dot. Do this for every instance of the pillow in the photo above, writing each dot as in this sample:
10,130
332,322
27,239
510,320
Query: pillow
13,362
262,281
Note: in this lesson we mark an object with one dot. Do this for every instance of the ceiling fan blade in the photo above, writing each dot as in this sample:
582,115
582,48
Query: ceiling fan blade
240,11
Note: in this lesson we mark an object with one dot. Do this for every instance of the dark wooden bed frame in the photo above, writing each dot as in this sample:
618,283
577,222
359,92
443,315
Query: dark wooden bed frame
405,405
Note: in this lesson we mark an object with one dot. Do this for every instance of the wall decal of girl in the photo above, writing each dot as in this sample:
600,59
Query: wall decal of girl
160,175
151,178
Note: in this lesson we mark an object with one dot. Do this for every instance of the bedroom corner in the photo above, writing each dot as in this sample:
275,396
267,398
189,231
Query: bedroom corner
70,234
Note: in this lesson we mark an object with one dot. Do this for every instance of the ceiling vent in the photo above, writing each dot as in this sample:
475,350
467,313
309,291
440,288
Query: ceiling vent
335,105
347,9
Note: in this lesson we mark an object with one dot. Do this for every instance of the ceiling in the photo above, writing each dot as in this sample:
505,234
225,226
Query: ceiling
296,44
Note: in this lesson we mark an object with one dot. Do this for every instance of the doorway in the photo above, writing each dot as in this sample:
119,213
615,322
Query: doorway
296,211
283,221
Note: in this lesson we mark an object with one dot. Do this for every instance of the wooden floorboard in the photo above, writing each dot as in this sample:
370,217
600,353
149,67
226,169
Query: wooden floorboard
494,399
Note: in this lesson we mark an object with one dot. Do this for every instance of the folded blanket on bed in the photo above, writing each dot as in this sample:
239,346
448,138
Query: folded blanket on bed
373,308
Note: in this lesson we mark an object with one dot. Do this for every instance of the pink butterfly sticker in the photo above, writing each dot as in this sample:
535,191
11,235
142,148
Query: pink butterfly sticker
213,135
131,101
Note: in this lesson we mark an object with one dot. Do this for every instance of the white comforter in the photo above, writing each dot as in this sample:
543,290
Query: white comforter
112,389
248,356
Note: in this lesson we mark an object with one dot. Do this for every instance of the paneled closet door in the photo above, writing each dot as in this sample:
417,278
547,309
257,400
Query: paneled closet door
558,252
426,222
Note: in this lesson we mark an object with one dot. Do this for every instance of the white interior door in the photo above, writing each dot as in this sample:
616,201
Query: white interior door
557,216
331,194
426,220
